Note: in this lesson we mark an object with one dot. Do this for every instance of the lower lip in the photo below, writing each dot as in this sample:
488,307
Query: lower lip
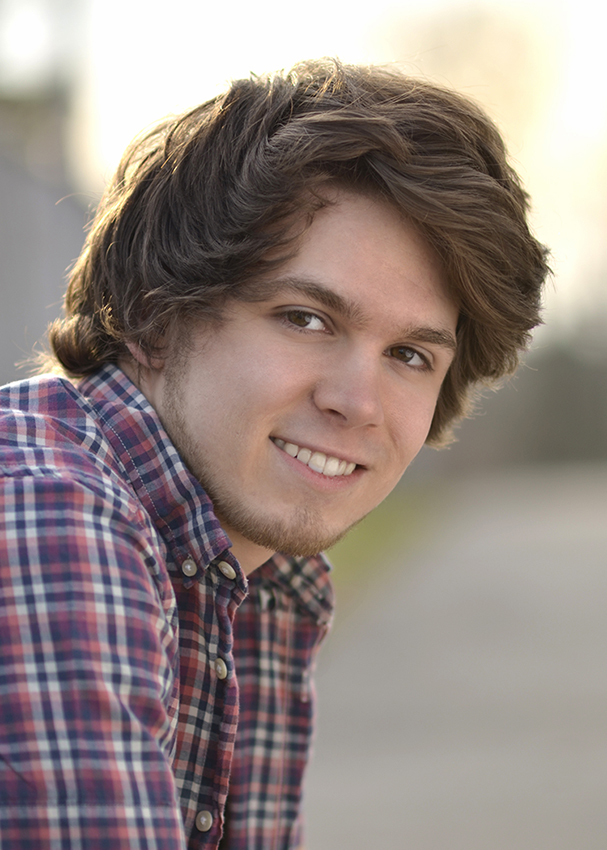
325,482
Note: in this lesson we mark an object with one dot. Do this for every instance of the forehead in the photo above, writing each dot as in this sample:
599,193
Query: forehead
362,257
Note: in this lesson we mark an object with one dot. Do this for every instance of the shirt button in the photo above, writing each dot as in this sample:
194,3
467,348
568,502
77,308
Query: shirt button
204,821
227,569
188,568
220,668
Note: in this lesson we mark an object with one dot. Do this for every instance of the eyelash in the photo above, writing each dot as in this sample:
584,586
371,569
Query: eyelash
426,365
287,318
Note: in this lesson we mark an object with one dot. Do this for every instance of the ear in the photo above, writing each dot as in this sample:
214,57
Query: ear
142,359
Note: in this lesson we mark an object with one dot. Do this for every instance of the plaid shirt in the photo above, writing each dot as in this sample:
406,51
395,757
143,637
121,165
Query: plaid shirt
123,618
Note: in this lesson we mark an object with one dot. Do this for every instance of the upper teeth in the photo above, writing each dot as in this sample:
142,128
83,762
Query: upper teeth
318,461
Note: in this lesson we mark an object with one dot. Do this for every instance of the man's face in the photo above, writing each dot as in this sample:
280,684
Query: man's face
301,412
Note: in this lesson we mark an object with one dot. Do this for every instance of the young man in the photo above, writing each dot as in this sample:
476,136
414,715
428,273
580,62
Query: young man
283,295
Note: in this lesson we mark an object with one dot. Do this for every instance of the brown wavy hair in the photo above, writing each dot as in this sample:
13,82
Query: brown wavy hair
204,203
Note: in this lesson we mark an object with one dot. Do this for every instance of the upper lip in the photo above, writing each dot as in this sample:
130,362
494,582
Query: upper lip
315,448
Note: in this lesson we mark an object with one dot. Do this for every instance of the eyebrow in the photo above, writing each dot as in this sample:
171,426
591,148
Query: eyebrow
353,313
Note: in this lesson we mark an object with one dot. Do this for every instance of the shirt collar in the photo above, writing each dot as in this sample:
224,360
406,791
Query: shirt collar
178,505
307,580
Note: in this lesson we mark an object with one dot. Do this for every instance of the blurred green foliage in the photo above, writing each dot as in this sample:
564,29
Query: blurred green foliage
387,533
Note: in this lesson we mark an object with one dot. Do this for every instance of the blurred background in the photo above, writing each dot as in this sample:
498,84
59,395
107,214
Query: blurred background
463,695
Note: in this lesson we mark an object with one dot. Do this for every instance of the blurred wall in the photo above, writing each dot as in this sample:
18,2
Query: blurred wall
554,410
40,235
41,219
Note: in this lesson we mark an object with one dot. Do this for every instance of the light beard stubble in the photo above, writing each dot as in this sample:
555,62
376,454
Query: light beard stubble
300,535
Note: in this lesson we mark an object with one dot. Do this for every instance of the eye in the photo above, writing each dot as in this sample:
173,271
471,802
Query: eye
304,320
410,356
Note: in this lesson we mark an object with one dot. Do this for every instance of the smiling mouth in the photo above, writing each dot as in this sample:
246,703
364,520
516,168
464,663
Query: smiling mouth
317,461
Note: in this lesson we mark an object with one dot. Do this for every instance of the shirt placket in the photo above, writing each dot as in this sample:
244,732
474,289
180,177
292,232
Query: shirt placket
209,711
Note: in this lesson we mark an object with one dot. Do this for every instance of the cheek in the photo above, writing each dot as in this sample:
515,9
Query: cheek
410,426
273,383
244,404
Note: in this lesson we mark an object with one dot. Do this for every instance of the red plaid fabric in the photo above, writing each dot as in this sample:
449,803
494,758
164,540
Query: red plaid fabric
140,688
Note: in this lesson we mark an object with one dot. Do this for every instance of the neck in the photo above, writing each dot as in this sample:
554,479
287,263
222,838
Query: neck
250,555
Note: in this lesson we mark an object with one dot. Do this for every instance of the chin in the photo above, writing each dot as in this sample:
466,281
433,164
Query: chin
303,536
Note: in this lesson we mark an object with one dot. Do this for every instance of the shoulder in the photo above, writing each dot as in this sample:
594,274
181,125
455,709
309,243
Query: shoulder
49,430
60,480
44,410
74,538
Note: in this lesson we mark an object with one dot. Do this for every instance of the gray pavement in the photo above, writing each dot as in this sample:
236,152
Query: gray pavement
464,705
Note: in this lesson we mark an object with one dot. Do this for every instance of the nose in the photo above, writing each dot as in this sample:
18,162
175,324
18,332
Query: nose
350,390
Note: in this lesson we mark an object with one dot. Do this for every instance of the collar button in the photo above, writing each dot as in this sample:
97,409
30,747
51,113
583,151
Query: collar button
189,568
227,569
